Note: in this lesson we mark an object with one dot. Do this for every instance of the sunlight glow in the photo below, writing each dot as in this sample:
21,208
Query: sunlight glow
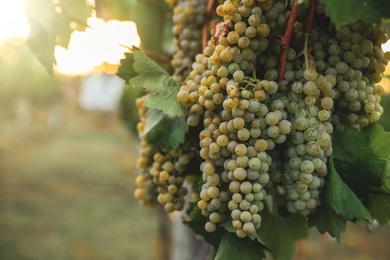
101,44
13,20
100,47
385,80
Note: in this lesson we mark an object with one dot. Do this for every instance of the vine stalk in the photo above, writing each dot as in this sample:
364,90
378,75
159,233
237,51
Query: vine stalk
205,27
285,40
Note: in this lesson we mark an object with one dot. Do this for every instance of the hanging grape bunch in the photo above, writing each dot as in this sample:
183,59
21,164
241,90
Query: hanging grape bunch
263,120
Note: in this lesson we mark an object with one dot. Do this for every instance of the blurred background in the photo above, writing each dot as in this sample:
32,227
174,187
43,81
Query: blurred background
68,146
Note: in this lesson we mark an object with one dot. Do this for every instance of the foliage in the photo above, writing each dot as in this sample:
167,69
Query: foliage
347,11
281,233
340,198
165,115
143,73
232,247
327,221
173,129
52,24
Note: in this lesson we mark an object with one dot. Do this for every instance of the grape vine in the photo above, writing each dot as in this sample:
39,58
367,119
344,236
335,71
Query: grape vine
262,100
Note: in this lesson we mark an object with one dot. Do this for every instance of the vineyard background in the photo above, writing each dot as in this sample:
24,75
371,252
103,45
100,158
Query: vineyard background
66,176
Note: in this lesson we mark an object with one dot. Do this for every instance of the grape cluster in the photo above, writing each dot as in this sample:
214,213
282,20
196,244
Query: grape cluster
188,18
160,175
354,57
309,146
259,132
146,189
241,123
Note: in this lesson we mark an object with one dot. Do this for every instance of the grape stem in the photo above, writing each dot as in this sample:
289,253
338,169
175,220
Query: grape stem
156,56
305,51
384,193
205,28
285,40
308,27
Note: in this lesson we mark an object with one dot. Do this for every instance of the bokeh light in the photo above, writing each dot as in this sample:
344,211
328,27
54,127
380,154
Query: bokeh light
13,20
386,80
104,42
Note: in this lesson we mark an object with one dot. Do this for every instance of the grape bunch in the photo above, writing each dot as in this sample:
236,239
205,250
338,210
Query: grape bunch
240,121
160,173
188,18
263,112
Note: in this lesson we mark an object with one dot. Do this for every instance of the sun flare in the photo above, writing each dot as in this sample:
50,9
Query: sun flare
13,21
100,47
104,42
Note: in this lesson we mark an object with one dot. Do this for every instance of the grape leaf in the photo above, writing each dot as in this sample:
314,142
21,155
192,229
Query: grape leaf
378,201
233,247
327,221
340,198
50,24
356,162
281,233
164,132
126,70
153,82
143,64
167,103
155,79
228,225
219,30
379,143
42,44
363,160
347,11
379,206
196,221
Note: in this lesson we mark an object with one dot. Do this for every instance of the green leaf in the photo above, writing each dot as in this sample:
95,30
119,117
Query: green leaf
340,198
363,160
347,11
143,64
42,44
166,103
154,82
228,225
281,233
233,247
126,70
196,221
155,79
327,221
379,206
50,24
379,143
357,164
165,132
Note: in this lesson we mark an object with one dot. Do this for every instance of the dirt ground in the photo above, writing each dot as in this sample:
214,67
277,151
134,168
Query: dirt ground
67,194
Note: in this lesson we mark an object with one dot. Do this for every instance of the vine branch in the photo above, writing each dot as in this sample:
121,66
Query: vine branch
205,28
310,17
158,57
285,40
